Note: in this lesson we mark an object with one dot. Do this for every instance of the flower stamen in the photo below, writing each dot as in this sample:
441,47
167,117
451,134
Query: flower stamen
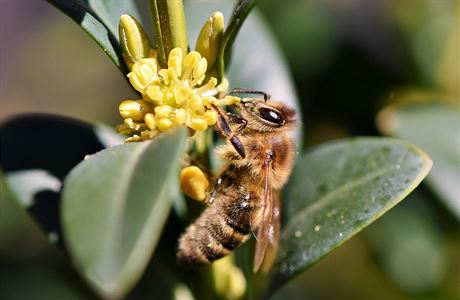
175,96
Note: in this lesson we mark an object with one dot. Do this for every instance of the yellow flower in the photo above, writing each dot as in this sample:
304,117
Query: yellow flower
175,96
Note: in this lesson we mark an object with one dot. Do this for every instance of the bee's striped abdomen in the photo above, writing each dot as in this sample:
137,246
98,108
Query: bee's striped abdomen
221,228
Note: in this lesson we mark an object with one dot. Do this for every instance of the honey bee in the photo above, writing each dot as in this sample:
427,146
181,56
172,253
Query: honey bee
259,156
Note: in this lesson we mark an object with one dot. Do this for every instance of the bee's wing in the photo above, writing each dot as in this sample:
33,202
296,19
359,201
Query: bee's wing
266,229
274,236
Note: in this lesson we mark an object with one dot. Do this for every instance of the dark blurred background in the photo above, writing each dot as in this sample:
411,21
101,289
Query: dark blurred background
349,59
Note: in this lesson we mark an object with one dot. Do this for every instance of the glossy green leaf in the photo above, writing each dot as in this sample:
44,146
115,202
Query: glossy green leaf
409,245
435,127
114,207
336,190
100,20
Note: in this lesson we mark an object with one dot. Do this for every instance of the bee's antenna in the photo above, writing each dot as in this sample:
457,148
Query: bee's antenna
248,91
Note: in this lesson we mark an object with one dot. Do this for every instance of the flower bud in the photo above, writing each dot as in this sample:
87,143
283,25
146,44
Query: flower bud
208,41
150,121
198,124
165,124
193,183
134,109
180,116
210,116
134,42
163,111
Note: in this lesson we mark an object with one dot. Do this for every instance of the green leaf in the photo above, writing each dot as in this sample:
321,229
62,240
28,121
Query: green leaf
114,207
100,20
435,127
409,245
240,12
336,190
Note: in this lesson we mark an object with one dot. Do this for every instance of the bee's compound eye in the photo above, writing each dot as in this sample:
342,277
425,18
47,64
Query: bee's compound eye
271,115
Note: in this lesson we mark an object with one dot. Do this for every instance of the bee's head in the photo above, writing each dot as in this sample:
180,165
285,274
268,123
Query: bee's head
267,116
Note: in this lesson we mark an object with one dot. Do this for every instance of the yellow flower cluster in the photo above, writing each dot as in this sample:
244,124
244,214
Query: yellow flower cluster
174,96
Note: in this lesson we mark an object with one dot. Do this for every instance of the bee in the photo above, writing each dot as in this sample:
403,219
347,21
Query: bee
259,156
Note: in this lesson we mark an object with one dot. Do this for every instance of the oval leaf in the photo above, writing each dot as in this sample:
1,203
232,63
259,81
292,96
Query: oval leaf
435,127
34,165
114,207
336,190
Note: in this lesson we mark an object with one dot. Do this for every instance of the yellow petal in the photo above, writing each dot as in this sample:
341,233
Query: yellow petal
208,86
210,116
136,82
190,61
200,68
175,60
143,73
150,121
198,124
165,124
180,116
181,95
168,76
155,94
163,111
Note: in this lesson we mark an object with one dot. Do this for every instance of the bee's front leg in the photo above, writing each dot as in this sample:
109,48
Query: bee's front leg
225,129
239,121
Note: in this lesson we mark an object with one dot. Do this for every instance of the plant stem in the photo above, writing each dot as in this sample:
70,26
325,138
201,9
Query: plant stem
169,27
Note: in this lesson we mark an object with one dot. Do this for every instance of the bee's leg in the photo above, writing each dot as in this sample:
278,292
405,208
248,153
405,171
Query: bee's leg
243,91
235,119
226,131
215,189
